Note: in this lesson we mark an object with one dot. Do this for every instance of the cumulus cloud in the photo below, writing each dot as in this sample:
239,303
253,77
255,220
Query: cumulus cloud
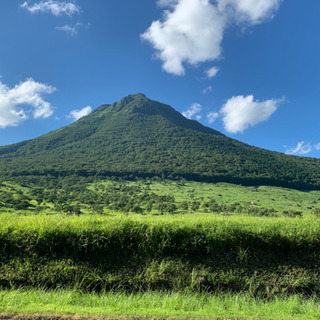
212,72
193,111
54,7
239,113
301,148
191,31
212,117
13,102
77,114
317,146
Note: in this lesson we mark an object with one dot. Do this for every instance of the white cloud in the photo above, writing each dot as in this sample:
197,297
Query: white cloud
301,148
13,102
71,30
212,72
207,89
57,8
192,30
191,33
166,3
212,117
249,11
193,110
317,146
77,114
239,113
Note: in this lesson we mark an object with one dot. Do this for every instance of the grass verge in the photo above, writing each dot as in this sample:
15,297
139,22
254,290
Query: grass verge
155,304
263,257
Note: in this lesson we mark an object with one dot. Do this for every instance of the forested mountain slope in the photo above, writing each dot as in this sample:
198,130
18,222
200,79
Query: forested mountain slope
140,137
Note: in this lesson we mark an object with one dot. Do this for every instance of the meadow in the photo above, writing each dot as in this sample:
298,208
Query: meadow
74,304
156,196
230,250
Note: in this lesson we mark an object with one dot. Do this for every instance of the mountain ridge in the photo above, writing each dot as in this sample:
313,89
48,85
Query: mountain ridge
137,136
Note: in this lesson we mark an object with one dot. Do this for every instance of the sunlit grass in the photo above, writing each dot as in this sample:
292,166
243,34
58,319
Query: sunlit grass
157,304
306,228
269,197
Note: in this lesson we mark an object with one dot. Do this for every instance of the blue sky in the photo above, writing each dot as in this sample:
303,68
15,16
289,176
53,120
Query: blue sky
247,68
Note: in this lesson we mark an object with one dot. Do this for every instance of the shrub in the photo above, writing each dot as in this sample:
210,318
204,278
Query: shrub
292,213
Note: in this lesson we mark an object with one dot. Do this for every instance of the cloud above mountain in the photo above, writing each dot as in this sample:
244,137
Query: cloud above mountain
240,112
77,114
193,111
192,31
212,117
302,148
14,102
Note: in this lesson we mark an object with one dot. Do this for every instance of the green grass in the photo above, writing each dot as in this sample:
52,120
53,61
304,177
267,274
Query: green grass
225,193
270,197
215,264
156,304
261,256
276,199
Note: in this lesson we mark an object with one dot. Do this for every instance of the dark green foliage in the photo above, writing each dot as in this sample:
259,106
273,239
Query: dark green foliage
292,213
316,211
137,255
137,137
72,196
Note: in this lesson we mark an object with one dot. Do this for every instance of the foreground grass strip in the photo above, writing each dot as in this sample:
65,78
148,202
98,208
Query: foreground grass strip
155,304
260,256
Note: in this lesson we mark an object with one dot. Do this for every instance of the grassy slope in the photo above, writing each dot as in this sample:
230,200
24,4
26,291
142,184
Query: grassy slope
225,193
277,198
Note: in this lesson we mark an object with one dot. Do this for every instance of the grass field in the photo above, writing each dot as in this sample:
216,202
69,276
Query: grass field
260,256
186,196
277,198
155,305
252,261
267,196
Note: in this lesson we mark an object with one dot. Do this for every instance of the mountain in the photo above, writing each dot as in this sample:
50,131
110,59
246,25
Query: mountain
140,137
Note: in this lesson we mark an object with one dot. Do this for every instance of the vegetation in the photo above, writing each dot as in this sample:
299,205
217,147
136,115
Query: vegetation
71,195
260,256
54,304
254,247
137,137
87,216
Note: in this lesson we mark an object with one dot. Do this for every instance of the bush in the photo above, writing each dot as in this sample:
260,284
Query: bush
316,211
292,213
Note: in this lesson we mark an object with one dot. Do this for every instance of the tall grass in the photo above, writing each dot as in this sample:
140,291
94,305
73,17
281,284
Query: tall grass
156,304
263,257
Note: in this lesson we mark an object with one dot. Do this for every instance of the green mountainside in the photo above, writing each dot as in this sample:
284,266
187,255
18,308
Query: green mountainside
140,137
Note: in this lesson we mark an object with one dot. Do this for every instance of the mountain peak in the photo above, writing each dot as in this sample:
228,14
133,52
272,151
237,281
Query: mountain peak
137,99
132,102
137,136
140,104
